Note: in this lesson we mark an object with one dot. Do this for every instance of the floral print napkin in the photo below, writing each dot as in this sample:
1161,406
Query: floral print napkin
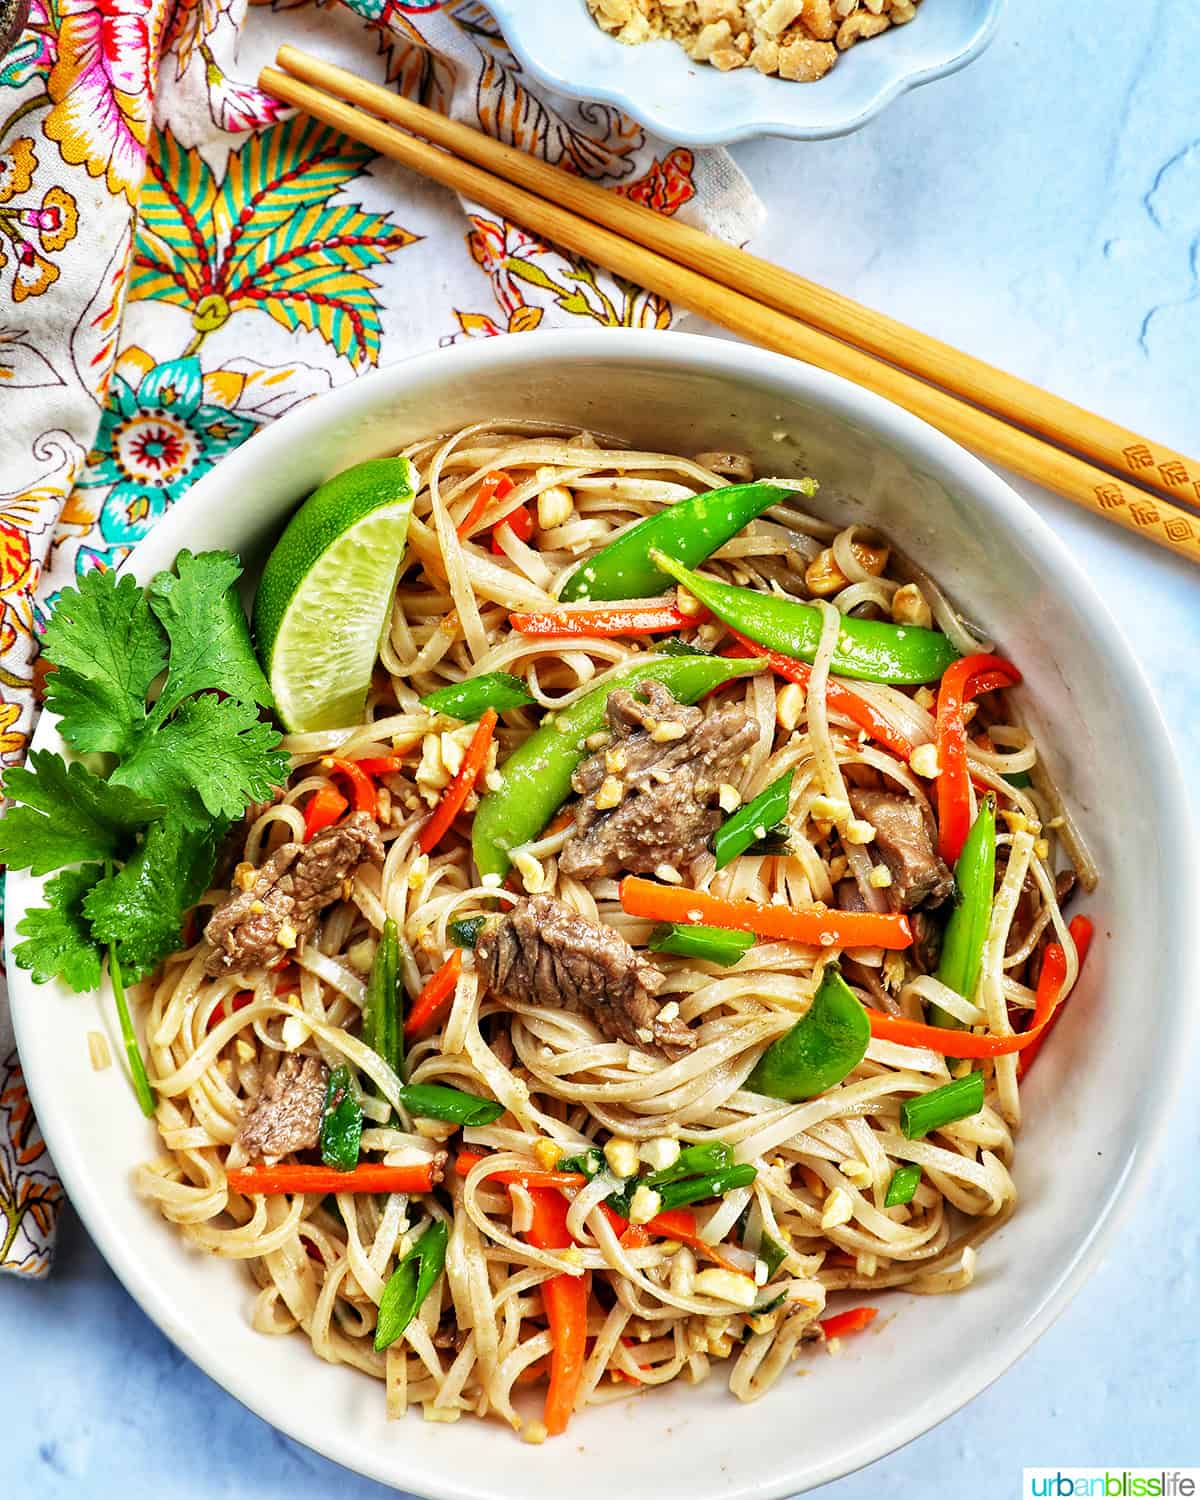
182,261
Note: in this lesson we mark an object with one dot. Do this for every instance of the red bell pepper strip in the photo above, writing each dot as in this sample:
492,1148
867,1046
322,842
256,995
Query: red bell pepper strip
962,680
368,1177
219,1013
361,785
519,522
1054,960
951,1043
456,793
837,695
325,807
493,486
816,926
854,1320
616,619
565,1299
436,995
381,765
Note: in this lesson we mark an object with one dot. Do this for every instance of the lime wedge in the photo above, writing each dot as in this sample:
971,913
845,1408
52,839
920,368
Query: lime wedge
325,595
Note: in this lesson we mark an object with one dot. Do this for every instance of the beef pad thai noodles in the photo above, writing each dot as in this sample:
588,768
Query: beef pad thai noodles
631,979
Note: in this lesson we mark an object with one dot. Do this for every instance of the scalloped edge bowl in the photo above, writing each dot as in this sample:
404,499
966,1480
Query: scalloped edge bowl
693,104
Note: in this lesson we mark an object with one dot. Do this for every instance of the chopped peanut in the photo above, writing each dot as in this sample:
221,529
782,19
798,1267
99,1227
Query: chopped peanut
909,607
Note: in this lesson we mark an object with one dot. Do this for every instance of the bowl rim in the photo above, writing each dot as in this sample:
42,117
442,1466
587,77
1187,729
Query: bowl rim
698,128
708,355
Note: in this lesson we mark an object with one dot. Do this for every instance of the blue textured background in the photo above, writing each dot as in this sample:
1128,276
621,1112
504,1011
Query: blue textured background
1041,209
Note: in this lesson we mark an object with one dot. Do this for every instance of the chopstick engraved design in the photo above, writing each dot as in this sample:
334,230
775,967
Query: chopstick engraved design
1005,419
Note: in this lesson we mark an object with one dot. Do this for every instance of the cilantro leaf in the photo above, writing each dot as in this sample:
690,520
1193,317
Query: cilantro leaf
57,939
210,639
210,759
140,909
108,649
69,815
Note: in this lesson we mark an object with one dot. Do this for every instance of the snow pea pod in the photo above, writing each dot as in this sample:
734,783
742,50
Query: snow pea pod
967,930
690,530
826,1043
467,700
536,778
381,1029
873,650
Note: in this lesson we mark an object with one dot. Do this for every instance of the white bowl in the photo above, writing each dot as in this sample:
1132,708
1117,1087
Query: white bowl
694,104
1102,1090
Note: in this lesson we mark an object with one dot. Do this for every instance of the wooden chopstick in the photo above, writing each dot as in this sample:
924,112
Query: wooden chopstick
1150,465
1093,488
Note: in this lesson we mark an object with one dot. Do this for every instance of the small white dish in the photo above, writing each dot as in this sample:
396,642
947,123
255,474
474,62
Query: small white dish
1103,1090
693,104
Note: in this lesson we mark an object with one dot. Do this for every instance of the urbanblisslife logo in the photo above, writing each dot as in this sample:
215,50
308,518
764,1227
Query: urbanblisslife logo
1112,1484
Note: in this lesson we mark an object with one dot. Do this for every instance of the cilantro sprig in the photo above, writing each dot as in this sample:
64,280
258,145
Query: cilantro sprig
162,691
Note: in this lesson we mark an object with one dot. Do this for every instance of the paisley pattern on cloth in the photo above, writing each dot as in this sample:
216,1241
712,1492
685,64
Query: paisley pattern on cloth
160,216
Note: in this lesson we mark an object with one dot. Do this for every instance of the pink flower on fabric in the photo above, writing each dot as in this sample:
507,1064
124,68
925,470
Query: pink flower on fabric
237,106
102,85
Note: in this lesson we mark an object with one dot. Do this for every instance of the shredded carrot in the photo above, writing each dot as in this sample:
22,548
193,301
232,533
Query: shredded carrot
837,695
852,1321
361,785
565,1299
368,1177
324,808
381,765
815,926
435,996
455,795
613,619
531,1374
493,486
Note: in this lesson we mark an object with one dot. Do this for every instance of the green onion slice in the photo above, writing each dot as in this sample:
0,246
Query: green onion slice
715,945
953,1101
753,821
902,1186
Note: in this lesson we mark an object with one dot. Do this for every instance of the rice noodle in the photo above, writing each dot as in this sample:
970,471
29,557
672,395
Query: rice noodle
560,1079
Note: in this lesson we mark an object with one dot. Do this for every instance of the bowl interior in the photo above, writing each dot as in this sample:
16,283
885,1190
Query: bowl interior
1090,1115
694,104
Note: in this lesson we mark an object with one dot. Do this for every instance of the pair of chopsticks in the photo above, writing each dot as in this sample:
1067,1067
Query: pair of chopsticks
1109,470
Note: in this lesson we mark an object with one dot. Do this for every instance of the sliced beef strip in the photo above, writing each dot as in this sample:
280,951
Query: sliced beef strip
847,896
544,953
904,839
251,928
668,761
286,1116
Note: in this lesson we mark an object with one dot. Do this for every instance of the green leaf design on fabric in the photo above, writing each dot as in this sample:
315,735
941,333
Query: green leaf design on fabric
265,237
176,239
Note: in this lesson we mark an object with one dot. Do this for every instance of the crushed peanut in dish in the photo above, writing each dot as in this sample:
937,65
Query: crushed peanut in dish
794,39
